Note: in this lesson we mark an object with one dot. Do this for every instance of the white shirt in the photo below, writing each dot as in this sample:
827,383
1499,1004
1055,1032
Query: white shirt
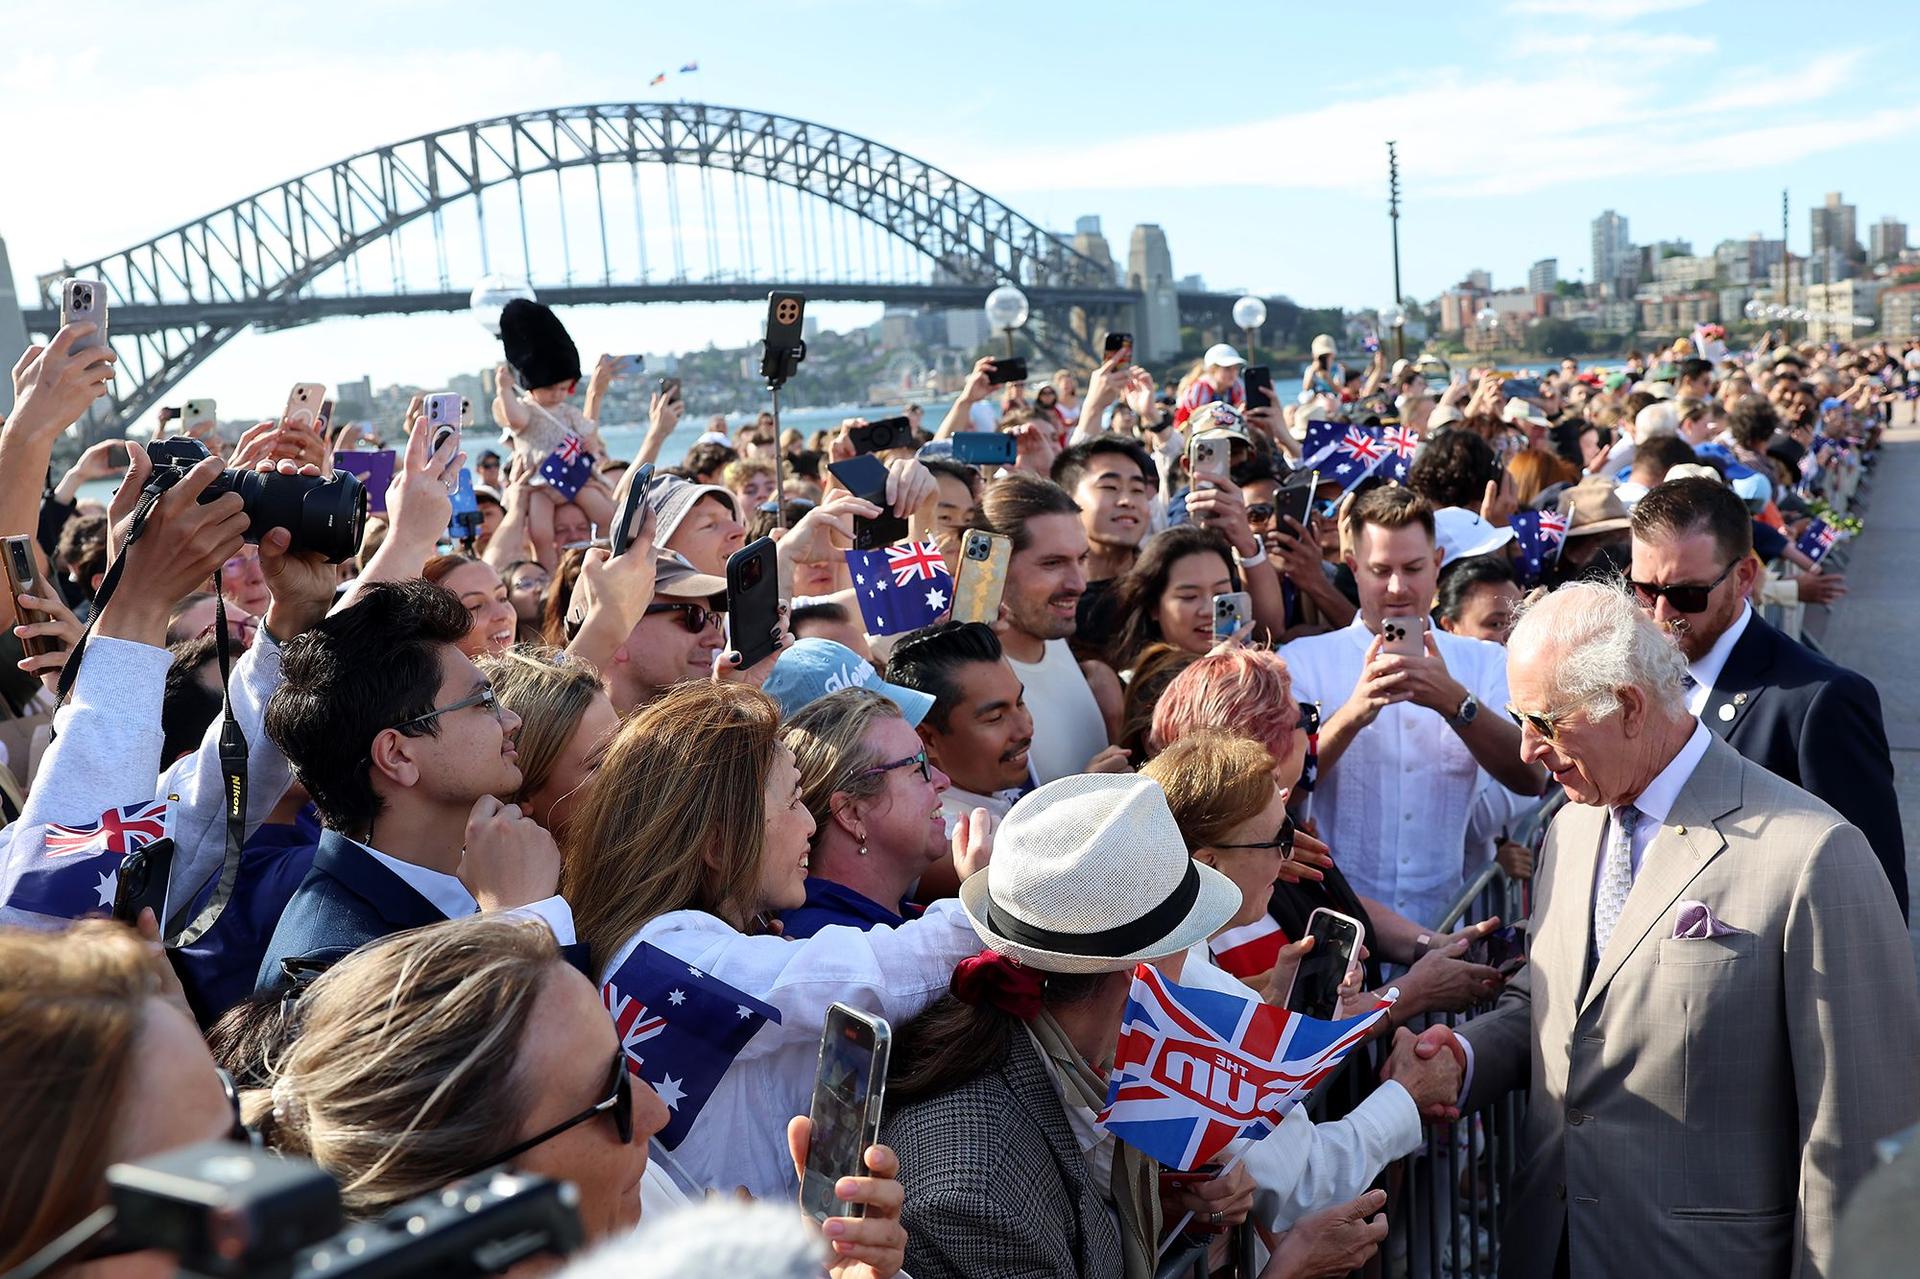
1394,807
1656,801
956,803
1713,661
1068,729
448,895
740,1136
984,415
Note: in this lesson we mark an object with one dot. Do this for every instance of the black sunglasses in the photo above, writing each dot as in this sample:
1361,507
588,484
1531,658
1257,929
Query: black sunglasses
1691,598
618,1103
1259,512
695,617
1281,843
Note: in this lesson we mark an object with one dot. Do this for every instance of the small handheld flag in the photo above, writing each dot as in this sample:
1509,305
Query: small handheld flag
680,1029
1251,949
568,468
901,588
78,872
1347,454
1196,1068
1538,539
1817,539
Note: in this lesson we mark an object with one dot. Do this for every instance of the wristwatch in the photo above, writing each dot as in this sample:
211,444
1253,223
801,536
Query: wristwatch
1465,715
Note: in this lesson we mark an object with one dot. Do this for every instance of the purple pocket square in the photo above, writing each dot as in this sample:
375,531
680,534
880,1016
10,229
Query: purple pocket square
1695,922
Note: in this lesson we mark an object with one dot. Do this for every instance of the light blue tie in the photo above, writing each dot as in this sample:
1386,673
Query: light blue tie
1616,876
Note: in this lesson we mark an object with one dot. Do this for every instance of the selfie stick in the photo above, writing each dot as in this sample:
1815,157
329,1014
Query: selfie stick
777,365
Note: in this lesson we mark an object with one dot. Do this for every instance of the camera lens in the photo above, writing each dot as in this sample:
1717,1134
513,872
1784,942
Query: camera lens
326,515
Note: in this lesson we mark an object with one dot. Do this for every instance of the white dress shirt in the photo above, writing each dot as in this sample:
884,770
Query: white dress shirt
1713,661
956,803
449,895
1394,807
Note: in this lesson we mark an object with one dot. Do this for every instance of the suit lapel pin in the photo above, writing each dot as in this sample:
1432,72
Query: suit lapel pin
1740,698
1726,710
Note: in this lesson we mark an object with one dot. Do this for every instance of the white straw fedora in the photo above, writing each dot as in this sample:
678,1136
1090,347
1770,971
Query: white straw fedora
1090,875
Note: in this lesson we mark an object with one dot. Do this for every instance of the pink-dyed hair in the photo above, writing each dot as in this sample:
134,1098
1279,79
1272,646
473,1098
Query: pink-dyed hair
1245,691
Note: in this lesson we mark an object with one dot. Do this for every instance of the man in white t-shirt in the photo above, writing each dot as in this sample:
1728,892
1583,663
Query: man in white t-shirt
1073,702
1404,755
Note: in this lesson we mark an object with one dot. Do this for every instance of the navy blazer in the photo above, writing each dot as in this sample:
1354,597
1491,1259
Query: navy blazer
1818,725
347,900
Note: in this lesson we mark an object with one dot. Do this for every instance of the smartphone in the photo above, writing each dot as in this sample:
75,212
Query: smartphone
1293,499
1503,948
1210,457
84,300
22,580
1258,379
1520,388
1406,636
866,476
303,404
466,510
753,601
1231,612
984,448
981,577
849,1090
628,519
668,387
143,883
323,421
442,409
197,417
1316,985
1008,368
1120,344
626,366
878,437
373,468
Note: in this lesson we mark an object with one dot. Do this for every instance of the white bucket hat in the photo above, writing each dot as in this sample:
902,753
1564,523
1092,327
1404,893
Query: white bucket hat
1090,875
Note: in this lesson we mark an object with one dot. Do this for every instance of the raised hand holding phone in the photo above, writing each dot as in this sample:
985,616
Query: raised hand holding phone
54,385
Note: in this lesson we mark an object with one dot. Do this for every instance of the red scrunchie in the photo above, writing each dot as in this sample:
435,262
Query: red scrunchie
993,978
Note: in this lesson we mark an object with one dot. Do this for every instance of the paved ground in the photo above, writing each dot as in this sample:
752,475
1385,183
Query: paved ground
1876,628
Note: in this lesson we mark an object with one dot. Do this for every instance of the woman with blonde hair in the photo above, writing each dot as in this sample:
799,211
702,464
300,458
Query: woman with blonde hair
496,623
566,720
692,837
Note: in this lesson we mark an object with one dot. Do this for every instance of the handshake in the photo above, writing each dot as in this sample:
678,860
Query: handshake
1430,1066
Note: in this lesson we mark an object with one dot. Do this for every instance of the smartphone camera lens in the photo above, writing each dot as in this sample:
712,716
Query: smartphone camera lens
977,548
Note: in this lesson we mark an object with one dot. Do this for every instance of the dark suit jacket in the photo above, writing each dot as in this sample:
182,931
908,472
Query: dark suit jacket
1818,725
347,900
996,1183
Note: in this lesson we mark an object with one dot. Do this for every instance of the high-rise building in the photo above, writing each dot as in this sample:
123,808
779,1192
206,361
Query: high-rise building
1089,242
1610,248
1480,281
1543,275
1885,240
1156,328
1836,246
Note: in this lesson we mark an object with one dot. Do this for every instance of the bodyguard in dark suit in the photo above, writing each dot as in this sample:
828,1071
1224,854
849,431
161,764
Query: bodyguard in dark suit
1777,702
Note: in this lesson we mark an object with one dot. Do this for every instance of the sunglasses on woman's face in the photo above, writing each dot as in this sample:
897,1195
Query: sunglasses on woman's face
912,761
1281,843
616,1103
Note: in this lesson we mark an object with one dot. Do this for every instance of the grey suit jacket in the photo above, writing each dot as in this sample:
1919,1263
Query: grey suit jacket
1704,1106
996,1186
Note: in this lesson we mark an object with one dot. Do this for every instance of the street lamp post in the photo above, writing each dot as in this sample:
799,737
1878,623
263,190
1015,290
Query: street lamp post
490,297
1249,313
1395,318
1393,214
1007,310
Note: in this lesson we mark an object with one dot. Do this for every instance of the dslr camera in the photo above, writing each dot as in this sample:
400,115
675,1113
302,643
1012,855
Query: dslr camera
324,513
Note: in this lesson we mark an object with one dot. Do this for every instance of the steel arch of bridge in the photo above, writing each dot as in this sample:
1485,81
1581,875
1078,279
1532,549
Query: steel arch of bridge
182,294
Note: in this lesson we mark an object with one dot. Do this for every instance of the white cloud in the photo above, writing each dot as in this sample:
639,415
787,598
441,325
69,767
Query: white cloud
1647,47
1607,10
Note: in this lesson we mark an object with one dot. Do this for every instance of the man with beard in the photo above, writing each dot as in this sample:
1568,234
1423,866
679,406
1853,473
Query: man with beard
1076,705
979,730
1777,702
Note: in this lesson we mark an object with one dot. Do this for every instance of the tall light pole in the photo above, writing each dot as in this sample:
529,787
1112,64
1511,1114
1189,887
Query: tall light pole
1393,214
1250,313
1786,262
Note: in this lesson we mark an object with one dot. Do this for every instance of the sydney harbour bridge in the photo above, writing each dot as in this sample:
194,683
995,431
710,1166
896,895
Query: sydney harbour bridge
615,203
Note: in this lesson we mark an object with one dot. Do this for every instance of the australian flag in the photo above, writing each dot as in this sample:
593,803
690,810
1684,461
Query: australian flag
1538,537
680,1029
1347,453
1817,539
1197,1068
901,588
1397,446
77,871
568,468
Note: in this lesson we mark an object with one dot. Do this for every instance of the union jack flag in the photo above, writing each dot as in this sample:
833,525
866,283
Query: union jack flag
680,1029
78,871
1197,1068
568,468
1817,539
1538,537
919,560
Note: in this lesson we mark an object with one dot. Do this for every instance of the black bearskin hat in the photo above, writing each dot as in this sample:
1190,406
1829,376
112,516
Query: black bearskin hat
537,345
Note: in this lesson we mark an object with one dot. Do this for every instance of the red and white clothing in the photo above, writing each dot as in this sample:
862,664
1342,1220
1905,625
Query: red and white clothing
1201,391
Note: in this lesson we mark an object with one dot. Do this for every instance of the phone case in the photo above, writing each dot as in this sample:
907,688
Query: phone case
840,1137
1406,636
753,600
981,577
984,448
1208,458
1294,499
196,415
442,409
627,520
1359,941
84,300
303,404
1230,613
21,578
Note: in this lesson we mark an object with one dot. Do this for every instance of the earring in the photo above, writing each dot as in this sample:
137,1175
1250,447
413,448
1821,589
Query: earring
863,848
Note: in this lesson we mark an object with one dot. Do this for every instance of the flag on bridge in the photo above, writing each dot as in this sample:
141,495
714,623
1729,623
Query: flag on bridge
1197,1068
568,468
77,871
680,1029
901,588
1817,539
1538,537
659,79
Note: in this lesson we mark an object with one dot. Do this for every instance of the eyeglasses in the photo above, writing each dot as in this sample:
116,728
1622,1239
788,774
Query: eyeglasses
239,1132
695,617
529,583
1691,598
484,699
919,761
1310,718
618,1102
1281,843
1545,724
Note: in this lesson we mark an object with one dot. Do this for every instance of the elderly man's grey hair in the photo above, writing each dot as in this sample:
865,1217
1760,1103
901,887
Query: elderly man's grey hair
1599,642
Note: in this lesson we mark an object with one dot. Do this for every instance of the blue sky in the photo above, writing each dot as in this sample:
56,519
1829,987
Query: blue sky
1255,138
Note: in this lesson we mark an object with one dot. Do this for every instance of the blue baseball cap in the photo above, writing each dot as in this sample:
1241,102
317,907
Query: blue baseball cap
815,667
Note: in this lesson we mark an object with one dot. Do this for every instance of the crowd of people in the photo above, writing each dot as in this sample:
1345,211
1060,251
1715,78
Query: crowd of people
438,802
